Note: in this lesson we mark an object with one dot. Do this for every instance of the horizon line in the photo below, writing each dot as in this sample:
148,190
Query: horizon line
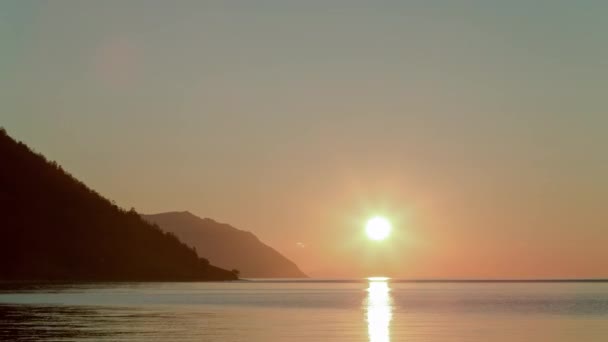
446,280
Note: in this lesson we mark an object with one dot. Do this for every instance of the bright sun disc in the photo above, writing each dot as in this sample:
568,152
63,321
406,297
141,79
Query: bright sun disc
378,228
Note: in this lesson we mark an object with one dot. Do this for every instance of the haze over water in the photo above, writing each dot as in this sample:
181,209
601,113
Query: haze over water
375,310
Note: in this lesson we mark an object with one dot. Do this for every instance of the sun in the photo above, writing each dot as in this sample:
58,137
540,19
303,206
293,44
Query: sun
378,228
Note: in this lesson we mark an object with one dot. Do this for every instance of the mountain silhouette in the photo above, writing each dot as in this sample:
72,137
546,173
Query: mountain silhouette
227,246
54,228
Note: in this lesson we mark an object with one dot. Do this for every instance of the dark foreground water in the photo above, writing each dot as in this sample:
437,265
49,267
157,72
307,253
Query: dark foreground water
376,310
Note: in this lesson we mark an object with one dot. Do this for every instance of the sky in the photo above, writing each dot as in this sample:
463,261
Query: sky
477,127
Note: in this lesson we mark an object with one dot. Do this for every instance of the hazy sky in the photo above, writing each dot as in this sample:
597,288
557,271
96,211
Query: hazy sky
479,127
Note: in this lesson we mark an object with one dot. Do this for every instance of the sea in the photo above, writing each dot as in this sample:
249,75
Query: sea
374,310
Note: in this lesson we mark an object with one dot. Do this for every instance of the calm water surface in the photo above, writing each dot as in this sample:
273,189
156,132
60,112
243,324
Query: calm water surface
377,310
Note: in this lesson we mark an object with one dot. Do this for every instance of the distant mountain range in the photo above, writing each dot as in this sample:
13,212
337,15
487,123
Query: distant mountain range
54,228
227,246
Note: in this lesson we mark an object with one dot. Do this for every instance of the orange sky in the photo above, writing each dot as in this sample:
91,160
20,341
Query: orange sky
480,132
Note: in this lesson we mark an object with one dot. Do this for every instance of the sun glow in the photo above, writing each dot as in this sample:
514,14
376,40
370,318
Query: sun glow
378,228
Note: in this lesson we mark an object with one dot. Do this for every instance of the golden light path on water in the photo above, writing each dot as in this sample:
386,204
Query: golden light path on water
379,310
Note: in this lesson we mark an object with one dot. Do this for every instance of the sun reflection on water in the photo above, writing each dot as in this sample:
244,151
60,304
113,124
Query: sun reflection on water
379,310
